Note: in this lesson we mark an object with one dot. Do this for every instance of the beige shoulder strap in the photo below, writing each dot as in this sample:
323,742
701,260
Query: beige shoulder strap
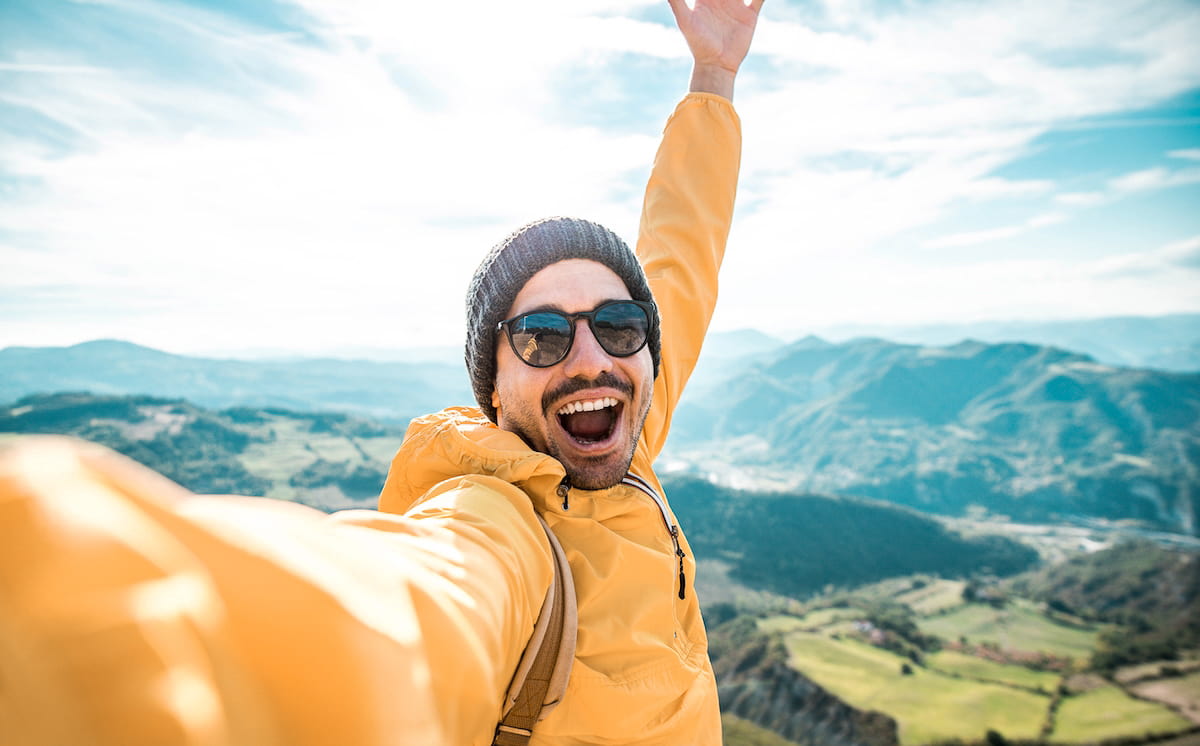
541,676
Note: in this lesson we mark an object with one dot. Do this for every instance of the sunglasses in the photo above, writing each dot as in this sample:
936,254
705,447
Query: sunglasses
543,338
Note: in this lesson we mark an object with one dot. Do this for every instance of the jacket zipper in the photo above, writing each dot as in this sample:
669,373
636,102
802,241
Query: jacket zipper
633,480
563,489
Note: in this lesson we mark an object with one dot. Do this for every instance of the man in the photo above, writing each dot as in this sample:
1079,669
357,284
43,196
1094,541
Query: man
132,613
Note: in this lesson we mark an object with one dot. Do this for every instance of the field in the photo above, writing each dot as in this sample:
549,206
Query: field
935,597
955,694
1109,712
1017,627
739,732
927,705
293,446
814,620
1182,693
971,667
1155,670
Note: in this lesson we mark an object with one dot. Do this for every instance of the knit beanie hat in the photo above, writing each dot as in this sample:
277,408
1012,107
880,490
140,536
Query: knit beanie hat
510,264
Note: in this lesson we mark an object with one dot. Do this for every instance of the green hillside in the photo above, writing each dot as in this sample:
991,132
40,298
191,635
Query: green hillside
1001,671
795,545
1151,591
327,460
1035,433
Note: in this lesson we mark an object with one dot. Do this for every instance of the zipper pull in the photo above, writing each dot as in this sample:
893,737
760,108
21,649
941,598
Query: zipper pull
563,488
679,553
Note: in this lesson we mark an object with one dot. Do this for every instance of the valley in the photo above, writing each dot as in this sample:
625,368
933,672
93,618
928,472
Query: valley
969,672
897,545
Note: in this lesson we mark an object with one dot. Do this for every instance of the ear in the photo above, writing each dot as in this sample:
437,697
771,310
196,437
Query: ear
496,402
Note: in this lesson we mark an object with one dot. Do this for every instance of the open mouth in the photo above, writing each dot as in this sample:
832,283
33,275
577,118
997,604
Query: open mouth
590,422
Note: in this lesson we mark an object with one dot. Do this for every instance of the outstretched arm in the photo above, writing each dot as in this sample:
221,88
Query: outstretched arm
688,206
135,612
718,32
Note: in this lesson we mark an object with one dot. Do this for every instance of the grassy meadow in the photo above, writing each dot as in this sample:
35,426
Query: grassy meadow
739,732
927,704
1009,676
934,597
954,663
1017,626
1108,712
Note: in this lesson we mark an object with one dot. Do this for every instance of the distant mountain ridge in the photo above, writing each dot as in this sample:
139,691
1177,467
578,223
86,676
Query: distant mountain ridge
1038,433
1170,342
394,391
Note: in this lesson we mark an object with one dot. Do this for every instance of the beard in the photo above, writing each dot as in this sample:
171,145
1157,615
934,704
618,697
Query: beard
541,430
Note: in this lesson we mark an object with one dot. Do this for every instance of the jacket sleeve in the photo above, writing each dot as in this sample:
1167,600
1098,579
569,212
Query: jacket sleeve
685,222
132,612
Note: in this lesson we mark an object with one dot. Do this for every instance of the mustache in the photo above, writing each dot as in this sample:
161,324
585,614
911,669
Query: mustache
572,385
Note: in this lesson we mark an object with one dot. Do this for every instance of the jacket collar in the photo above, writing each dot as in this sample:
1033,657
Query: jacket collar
459,441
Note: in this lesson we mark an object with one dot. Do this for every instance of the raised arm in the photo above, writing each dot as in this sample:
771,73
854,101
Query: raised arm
689,199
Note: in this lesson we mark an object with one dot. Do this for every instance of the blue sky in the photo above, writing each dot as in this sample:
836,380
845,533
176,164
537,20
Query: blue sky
323,175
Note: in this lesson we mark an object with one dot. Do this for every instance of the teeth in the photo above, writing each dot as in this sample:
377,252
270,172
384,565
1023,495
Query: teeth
588,406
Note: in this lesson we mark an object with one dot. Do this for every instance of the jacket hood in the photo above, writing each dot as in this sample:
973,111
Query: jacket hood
461,441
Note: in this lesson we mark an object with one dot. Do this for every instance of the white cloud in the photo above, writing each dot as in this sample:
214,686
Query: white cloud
972,238
1154,178
1178,258
940,98
892,290
1081,199
329,208
333,188
22,67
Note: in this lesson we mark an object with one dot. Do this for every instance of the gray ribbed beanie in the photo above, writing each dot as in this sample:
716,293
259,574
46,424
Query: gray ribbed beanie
510,264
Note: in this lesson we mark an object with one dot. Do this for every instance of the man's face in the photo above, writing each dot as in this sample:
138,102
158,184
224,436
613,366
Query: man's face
539,404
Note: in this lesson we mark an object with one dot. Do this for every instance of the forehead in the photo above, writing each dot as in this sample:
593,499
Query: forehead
570,285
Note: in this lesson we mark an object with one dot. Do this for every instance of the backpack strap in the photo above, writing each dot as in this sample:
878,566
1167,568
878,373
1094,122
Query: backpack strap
541,677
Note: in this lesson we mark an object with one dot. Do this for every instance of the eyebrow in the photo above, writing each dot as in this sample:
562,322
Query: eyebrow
559,309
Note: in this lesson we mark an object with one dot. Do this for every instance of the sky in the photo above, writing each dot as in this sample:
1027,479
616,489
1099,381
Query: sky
322,176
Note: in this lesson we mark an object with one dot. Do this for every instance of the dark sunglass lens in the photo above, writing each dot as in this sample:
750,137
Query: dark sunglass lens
621,328
541,338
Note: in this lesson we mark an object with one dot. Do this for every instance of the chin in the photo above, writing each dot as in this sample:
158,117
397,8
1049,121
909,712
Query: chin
598,473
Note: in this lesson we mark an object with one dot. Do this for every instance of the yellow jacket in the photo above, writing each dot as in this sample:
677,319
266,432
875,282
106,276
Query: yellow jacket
641,671
134,613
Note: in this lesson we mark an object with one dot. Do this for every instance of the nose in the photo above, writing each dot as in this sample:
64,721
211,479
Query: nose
587,359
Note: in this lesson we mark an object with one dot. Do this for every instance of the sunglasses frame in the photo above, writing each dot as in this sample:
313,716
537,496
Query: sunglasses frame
647,307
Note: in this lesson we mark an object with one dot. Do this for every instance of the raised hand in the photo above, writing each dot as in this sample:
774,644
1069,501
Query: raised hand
718,32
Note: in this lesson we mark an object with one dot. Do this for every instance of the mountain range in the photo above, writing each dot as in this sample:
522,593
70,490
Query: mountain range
1170,342
393,391
1035,433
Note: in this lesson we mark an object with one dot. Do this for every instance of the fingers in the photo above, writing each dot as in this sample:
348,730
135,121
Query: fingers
679,7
